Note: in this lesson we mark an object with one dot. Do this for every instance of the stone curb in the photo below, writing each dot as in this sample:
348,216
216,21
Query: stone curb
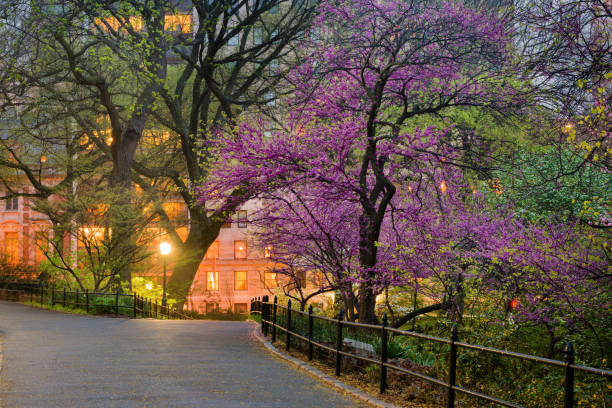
1,355
320,374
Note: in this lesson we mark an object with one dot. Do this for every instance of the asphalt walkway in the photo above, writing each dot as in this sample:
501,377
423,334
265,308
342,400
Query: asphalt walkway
53,359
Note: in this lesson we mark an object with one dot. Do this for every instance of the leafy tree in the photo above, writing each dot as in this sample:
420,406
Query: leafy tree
345,141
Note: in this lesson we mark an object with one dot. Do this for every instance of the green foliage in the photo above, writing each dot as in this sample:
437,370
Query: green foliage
552,186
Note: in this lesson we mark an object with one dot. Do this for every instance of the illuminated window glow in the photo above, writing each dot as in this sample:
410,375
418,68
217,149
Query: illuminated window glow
270,280
240,280
212,280
178,22
240,249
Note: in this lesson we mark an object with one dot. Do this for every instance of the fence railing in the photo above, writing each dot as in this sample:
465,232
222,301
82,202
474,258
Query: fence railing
118,304
300,325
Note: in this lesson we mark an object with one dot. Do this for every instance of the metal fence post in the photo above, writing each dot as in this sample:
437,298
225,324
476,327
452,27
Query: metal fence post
134,305
264,315
274,310
117,303
383,354
339,342
569,376
452,368
310,332
32,294
87,300
288,339
64,297
42,295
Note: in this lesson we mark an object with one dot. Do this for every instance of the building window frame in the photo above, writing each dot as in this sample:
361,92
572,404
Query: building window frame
241,218
241,280
212,281
240,253
270,280
12,204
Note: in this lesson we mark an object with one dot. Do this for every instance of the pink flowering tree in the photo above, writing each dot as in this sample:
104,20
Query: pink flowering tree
353,134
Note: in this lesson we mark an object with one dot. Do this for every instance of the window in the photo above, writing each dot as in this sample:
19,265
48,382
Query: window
212,307
273,67
240,280
11,246
240,308
270,98
270,280
12,204
212,281
300,279
240,249
42,245
257,35
178,22
213,251
174,210
242,219
235,40
268,251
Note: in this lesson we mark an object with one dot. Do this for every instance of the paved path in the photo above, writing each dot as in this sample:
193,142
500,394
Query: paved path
59,360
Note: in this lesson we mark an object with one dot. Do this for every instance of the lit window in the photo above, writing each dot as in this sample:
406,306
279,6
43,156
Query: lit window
12,204
11,246
104,23
268,251
240,249
173,210
178,22
212,281
242,219
270,280
240,280
42,245
213,251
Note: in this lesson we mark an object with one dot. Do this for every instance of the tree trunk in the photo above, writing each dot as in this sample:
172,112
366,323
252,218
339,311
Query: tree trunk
202,234
367,305
123,242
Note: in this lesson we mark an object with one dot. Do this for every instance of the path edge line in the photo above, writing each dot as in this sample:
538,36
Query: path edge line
357,393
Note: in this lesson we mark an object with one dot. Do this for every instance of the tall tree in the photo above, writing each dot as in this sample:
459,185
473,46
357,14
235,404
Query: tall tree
377,67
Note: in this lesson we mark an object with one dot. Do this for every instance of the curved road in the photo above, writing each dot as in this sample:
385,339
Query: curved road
59,360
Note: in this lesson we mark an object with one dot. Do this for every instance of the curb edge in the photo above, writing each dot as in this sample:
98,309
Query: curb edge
320,374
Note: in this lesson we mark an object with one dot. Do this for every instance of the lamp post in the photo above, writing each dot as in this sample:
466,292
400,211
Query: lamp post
164,248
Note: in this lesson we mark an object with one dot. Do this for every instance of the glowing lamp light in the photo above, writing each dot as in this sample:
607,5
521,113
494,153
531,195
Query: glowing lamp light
513,304
165,248
569,126
443,187
43,159
149,286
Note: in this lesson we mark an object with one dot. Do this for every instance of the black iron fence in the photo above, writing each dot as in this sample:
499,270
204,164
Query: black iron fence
118,304
344,340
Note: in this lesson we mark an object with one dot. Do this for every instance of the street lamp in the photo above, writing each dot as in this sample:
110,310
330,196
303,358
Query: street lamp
164,248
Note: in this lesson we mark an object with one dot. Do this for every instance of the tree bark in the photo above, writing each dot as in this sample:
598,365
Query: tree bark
406,318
